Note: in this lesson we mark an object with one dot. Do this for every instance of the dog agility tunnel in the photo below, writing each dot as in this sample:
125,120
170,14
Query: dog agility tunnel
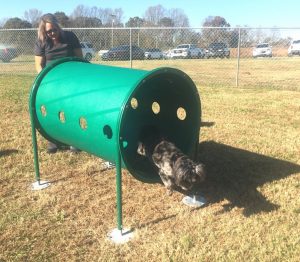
102,109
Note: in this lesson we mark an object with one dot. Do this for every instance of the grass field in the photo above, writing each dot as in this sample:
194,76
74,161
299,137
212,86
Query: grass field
249,142
277,73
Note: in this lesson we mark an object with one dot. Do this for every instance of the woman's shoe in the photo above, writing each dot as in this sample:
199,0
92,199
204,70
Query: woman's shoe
74,149
51,148
108,165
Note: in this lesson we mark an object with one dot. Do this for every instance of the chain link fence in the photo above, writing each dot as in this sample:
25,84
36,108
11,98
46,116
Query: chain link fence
213,57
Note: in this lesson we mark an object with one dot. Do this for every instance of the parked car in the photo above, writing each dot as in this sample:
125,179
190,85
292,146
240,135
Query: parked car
167,54
153,53
262,50
101,52
294,48
7,53
122,52
187,51
88,51
217,49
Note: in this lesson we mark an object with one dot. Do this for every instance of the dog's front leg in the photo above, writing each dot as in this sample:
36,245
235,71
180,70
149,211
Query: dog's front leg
167,182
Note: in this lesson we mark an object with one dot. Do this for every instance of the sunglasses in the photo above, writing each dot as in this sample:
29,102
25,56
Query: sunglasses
51,31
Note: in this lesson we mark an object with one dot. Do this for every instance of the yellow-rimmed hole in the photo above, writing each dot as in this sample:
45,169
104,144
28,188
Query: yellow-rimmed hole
62,117
181,113
134,103
83,123
43,110
155,108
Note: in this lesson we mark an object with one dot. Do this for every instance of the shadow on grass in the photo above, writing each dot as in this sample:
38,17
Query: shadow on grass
207,124
234,174
155,221
7,152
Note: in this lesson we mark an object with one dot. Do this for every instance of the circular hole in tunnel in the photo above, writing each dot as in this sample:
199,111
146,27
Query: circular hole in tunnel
134,103
43,110
83,123
62,117
155,108
181,113
107,131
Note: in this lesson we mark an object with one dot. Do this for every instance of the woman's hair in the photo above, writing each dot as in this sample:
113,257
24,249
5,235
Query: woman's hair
47,18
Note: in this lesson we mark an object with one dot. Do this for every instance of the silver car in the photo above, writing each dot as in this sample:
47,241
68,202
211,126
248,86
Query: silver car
187,51
262,50
153,53
88,51
294,48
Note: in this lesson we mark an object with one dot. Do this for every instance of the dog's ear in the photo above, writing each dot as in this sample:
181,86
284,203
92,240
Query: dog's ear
200,171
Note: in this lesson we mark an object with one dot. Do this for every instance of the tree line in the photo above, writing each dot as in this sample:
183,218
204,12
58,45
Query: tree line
83,16
154,16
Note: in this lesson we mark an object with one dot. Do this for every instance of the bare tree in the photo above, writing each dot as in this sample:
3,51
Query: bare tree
113,17
154,14
104,15
79,11
258,35
118,12
107,16
33,16
178,17
2,22
275,36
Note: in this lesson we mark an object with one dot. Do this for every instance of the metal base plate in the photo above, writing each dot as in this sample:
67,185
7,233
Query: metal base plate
194,201
39,185
120,236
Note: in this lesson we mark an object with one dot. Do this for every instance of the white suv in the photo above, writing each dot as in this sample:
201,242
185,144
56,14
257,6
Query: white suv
88,51
294,48
263,49
187,51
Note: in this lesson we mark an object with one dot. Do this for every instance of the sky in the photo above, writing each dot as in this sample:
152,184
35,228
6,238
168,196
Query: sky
251,13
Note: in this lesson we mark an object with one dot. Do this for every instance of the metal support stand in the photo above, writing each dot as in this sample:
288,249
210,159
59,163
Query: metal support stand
119,235
194,201
119,191
38,184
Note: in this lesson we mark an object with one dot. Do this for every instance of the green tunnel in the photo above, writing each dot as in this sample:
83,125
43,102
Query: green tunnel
102,109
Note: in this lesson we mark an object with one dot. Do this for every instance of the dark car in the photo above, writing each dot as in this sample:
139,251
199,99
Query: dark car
218,49
7,53
122,52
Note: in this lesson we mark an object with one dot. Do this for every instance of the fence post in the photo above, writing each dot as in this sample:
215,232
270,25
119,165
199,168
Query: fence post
238,60
130,41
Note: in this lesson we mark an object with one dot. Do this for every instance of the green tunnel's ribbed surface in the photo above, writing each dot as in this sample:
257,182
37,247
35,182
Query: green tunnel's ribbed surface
101,109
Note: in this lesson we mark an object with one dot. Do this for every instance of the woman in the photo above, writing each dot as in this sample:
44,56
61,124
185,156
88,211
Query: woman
54,43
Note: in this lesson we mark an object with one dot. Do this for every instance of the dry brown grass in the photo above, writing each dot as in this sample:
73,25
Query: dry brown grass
250,143
246,52
276,73
279,72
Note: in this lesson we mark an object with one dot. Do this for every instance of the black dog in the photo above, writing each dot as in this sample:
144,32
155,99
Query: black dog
174,167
